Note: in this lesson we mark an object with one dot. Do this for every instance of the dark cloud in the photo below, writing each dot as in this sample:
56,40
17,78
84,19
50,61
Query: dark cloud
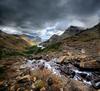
36,13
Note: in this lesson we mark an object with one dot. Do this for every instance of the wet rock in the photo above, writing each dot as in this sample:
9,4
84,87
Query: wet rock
67,71
4,86
50,81
21,81
37,57
41,66
96,83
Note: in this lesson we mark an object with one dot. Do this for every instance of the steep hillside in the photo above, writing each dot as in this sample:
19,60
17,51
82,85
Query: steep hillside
88,40
71,31
9,44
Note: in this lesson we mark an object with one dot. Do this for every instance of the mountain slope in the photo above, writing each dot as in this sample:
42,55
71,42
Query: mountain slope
10,44
88,40
71,31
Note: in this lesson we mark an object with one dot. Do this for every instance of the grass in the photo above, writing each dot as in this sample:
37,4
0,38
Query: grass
4,52
36,50
53,47
33,50
43,75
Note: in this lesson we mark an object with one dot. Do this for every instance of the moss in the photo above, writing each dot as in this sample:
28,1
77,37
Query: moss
40,84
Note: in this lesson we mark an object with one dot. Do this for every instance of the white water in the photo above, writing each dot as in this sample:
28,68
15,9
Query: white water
53,67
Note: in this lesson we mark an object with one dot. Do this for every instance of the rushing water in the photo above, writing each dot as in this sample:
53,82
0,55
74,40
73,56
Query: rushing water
61,69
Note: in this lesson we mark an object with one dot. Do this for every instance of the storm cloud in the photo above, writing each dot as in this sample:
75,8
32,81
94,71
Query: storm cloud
39,14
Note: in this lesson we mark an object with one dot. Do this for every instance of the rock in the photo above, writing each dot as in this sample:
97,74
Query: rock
54,88
33,86
39,84
22,81
26,76
96,83
50,81
4,86
37,57
61,59
43,89
93,64
67,71
74,85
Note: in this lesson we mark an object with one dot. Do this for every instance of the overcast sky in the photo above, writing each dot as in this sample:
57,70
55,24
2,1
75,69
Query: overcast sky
46,17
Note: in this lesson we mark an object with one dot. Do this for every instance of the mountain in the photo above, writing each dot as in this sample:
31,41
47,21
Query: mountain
9,43
87,39
71,31
12,41
31,39
53,39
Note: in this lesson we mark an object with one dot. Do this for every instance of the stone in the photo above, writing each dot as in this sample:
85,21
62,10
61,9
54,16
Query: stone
43,89
96,83
50,81
61,59
93,64
74,85
39,84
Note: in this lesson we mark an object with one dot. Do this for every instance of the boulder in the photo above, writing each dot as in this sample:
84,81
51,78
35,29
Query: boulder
74,85
93,64
61,59
39,84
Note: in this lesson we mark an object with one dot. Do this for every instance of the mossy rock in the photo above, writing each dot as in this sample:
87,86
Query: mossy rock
39,84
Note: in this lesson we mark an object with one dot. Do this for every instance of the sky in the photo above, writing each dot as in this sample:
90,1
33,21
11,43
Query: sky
47,17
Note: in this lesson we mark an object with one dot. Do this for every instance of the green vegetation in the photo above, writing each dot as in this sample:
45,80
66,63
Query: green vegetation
53,47
33,50
36,50
4,53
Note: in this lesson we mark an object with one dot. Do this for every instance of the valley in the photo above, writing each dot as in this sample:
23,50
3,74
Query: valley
62,63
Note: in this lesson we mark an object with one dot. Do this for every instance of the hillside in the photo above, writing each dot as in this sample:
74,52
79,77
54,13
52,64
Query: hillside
9,44
88,40
71,31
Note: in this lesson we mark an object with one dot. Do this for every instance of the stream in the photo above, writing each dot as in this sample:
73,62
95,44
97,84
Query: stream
88,77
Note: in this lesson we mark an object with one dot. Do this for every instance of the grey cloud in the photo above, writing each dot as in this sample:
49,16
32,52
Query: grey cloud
35,13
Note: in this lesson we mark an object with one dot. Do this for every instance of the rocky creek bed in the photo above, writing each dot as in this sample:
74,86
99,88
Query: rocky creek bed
25,76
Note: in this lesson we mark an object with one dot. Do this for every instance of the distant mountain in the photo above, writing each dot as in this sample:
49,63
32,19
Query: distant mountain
33,40
53,39
71,31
